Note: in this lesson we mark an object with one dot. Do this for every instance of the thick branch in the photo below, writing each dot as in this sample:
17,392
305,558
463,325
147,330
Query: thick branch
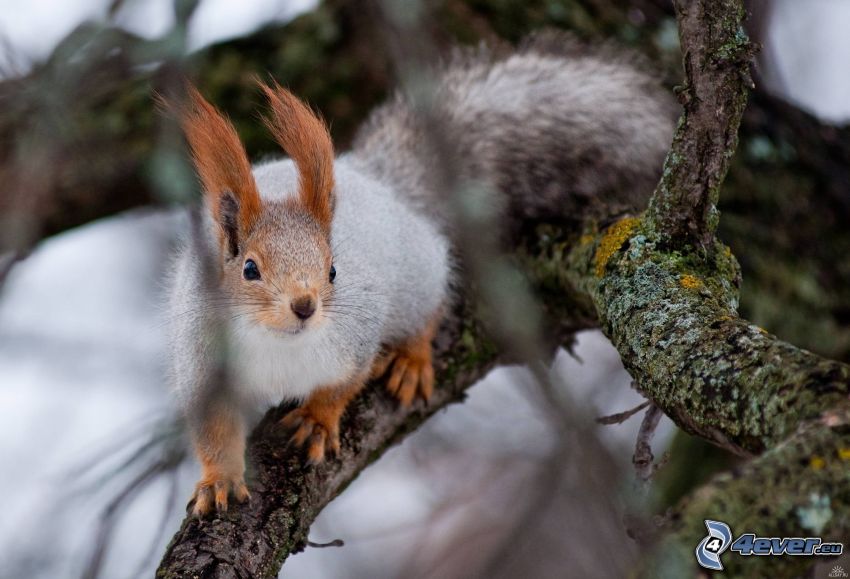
796,489
673,319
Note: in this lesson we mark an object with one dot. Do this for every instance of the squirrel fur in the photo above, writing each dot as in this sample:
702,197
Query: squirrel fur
545,125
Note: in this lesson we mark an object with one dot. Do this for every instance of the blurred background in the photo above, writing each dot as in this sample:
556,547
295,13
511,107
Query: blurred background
93,464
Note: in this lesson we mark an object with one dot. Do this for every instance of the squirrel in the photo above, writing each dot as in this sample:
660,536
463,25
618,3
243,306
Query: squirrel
331,271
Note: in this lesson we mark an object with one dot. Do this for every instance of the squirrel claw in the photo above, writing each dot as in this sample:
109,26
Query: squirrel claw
411,371
320,437
213,494
381,364
411,377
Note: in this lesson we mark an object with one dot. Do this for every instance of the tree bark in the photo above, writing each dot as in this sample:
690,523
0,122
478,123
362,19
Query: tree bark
683,211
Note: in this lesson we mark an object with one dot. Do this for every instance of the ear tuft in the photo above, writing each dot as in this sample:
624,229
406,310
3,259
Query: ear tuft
222,166
305,138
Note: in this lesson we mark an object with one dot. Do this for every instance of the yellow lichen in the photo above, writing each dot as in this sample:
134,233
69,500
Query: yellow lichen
688,281
611,242
586,238
844,453
817,462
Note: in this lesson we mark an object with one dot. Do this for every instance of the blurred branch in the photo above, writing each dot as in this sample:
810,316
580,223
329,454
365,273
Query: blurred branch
162,453
797,488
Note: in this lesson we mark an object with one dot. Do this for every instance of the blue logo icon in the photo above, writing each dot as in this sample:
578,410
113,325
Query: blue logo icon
712,546
720,536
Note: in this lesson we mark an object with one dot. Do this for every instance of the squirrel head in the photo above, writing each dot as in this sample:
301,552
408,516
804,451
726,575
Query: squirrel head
276,260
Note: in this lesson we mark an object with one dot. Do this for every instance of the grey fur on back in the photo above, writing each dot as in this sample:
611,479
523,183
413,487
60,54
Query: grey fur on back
554,126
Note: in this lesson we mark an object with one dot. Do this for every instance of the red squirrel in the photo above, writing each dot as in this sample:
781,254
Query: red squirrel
334,270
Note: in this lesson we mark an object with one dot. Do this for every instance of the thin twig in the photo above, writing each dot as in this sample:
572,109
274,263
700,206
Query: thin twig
334,543
638,527
643,458
621,417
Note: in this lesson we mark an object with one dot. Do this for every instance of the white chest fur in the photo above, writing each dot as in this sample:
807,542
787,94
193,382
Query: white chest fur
269,368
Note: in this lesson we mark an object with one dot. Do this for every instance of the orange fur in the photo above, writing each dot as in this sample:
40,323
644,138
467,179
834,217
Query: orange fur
412,370
317,421
220,158
305,138
220,447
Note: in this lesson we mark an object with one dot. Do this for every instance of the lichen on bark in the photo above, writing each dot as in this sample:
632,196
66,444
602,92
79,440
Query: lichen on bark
716,374
779,494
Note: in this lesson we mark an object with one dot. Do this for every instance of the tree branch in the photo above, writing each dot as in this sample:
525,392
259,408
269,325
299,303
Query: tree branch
253,540
796,489
716,57
673,319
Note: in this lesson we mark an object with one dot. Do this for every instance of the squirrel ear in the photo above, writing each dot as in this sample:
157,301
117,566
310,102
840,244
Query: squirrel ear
305,138
222,165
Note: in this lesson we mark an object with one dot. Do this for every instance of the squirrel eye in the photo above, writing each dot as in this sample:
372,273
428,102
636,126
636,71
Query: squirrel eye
250,271
332,274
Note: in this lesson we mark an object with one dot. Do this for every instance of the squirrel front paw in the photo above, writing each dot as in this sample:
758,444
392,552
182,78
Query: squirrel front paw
316,428
316,423
411,370
212,492
411,376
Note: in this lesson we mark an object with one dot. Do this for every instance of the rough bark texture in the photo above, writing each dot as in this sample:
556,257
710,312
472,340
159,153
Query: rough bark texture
716,60
666,295
798,488
673,317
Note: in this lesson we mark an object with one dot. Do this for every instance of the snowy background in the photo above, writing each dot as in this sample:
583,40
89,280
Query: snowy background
84,312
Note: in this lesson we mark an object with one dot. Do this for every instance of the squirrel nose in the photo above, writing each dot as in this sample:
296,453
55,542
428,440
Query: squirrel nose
303,307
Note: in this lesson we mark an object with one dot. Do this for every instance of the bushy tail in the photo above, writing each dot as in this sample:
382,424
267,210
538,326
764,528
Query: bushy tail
556,127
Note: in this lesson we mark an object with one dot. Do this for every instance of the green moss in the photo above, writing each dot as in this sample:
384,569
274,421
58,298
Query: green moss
776,495
738,46
672,315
